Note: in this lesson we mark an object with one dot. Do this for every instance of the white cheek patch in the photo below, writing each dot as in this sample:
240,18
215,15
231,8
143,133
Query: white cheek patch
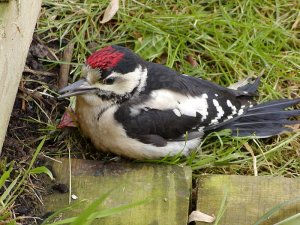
125,83
220,112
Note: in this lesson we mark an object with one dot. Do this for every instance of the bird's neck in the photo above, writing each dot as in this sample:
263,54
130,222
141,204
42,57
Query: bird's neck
108,96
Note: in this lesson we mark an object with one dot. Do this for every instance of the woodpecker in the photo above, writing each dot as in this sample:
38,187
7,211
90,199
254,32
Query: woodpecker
145,110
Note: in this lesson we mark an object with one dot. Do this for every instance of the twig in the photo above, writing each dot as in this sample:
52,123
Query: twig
23,105
65,68
31,93
70,173
37,72
53,159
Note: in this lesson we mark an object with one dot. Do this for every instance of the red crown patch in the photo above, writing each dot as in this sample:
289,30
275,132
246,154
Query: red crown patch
104,58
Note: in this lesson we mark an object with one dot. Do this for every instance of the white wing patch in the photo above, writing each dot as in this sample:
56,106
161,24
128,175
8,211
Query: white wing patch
180,104
193,105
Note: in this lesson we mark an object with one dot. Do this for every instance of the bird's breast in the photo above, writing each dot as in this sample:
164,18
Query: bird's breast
97,123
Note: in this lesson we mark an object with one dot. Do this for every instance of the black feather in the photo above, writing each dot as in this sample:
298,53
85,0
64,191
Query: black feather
251,88
275,105
263,120
156,127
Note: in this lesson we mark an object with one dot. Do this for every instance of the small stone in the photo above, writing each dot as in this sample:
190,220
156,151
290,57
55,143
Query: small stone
74,197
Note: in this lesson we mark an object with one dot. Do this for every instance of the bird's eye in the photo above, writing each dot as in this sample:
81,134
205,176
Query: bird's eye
109,81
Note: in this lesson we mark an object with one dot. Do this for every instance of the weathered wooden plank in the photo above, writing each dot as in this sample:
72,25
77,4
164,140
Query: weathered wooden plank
167,186
247,198
17,22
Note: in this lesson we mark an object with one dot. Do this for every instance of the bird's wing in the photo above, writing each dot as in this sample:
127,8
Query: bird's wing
165,115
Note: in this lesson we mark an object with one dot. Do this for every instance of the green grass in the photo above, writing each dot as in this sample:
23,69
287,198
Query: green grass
229,40
91,212
14,183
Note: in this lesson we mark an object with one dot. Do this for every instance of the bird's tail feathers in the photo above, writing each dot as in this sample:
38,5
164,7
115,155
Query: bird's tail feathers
246,87
265,120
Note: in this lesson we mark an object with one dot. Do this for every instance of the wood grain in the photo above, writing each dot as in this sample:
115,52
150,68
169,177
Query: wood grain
247,198
17,22
168,187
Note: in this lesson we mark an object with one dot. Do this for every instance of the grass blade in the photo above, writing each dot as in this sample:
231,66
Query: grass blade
293,220
275,209
5,176
42,169
84,217
6,195
58,212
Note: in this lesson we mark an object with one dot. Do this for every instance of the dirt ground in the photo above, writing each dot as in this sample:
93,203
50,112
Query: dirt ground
32,113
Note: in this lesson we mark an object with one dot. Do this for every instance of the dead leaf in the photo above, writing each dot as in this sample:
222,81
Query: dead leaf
69,119
110,11
200,217
295,25
294,127
192,61
249,149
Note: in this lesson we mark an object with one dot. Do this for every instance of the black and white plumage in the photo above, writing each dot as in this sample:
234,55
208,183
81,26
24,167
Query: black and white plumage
141,109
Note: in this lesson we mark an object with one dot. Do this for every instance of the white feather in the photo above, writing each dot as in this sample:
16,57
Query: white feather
229,104
169,100
219,114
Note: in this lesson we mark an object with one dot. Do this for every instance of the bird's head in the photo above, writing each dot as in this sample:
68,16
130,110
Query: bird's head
112,73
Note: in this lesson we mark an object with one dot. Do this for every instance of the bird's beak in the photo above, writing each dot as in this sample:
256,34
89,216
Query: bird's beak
80,87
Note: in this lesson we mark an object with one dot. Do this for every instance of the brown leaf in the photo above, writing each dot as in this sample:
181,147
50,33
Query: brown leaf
192,61
69,119
249,149
295,127
110,11
295,25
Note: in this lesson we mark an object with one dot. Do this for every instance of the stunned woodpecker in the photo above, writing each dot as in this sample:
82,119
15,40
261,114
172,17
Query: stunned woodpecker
140,109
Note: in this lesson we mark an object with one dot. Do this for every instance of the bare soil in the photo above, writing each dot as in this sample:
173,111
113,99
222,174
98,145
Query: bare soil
23,134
